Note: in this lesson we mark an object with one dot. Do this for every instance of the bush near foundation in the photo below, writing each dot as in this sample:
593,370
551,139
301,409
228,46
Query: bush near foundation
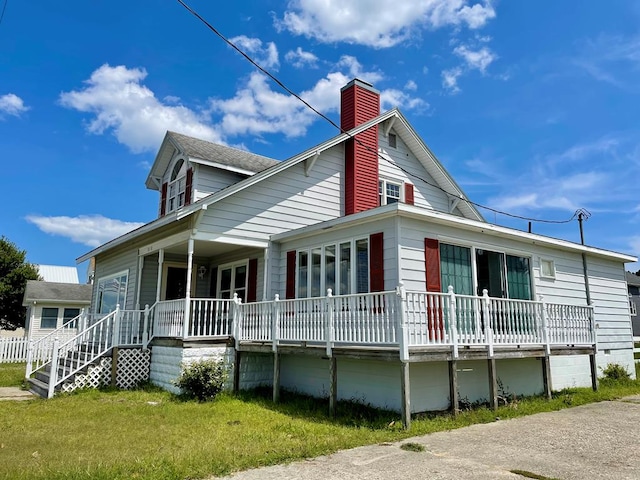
615,372
202,380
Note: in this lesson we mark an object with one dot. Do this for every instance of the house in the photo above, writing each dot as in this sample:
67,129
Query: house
357,269
633,286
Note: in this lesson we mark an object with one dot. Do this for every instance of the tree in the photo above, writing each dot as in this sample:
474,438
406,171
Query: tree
14,273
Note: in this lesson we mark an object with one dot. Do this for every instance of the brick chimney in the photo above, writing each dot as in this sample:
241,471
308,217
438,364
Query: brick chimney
359,103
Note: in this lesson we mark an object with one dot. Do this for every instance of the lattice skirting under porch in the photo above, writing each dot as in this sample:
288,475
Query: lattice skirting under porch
97,375
133,367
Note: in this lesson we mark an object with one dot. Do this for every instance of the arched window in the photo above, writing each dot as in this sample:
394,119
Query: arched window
177,186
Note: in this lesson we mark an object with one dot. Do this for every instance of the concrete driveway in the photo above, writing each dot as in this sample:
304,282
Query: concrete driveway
596,441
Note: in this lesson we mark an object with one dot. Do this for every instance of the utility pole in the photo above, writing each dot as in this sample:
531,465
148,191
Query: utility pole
584,215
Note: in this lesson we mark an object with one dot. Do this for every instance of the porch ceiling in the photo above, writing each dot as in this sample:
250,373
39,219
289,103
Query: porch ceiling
203,248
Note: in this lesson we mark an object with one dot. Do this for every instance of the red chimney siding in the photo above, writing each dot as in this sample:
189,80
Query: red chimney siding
359,103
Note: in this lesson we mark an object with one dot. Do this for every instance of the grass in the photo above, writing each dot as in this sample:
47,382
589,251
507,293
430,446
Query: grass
149,434
12,374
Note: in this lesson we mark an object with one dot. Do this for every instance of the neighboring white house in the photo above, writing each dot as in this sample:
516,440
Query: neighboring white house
372,216
53,301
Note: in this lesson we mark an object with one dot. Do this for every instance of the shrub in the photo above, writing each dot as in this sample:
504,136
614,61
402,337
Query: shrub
616,372
202,380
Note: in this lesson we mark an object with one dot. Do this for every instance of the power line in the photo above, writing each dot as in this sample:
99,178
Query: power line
353,137
3,9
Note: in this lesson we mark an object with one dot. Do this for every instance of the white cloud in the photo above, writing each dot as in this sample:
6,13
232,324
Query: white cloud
301,59
478,59
265,56
379,23
123,105
11,104
90,230
257,109
450,79
612,59
411,85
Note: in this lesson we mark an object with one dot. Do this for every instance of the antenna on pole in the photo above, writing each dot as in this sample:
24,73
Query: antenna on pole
582,214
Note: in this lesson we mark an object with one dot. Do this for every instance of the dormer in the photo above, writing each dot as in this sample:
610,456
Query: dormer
187,169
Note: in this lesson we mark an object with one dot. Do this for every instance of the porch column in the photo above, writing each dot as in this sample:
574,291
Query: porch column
187,300
333,386
276,377
453,386
546,376
236,372
594,371
159,279
493,383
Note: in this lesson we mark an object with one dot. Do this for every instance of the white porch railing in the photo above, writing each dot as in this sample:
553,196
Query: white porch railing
209,317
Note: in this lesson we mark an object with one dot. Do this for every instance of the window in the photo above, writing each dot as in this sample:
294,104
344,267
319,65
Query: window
49,318
389,192
111,291
455,269
632,307
392,140
69,314
177,186
343,266
233,279
518,278
547,269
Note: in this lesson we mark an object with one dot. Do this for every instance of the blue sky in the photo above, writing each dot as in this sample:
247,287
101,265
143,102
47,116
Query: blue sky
532,106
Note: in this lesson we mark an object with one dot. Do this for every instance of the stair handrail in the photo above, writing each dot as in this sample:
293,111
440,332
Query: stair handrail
100,332
41,350
150,313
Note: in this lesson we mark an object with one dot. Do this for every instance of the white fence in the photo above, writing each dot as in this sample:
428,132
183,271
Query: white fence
13,349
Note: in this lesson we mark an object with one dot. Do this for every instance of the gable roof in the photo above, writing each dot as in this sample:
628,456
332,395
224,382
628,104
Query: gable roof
402,127
203,151
633,279
56,292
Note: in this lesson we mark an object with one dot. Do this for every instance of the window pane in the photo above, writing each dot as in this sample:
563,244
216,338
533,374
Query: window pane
345,268
49,318
241,278
303,258
330,268
112,291
362,268
316,260
518,278
393,193
455,269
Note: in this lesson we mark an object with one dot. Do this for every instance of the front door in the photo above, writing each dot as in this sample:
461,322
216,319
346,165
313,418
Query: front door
176,283
233,279
490,273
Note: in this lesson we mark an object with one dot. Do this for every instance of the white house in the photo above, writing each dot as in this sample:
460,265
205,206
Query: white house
391,287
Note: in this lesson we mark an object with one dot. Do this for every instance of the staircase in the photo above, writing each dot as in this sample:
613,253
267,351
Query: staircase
78,355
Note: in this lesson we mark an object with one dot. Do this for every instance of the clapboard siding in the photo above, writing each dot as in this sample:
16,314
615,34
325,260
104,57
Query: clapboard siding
286,201
405,167
208,180
149,280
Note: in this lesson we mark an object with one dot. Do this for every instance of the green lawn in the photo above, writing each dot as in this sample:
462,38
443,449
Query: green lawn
152,435
12,374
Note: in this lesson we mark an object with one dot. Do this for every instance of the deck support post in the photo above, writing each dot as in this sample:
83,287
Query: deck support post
333,386
493,384
453,386
546,376
236,372
276,377
594,371
406,395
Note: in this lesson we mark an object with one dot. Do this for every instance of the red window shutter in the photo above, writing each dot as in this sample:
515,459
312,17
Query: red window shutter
163,199
376,262
432,264
408,194
252,287
291,275
188,187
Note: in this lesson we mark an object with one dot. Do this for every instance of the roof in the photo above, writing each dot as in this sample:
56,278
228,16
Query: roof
56,273
435,216
203,151
56,292
633,279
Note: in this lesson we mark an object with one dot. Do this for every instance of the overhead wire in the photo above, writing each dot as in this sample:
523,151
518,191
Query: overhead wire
354,137
4,7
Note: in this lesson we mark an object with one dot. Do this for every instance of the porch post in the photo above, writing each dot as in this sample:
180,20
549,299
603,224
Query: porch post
333,386
406,395
493,384
594,371
453,386
159,279
546,376
276,377
187,300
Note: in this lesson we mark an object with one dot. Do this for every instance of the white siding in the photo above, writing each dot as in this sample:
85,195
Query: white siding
208,180
35,330
403,160
283,202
